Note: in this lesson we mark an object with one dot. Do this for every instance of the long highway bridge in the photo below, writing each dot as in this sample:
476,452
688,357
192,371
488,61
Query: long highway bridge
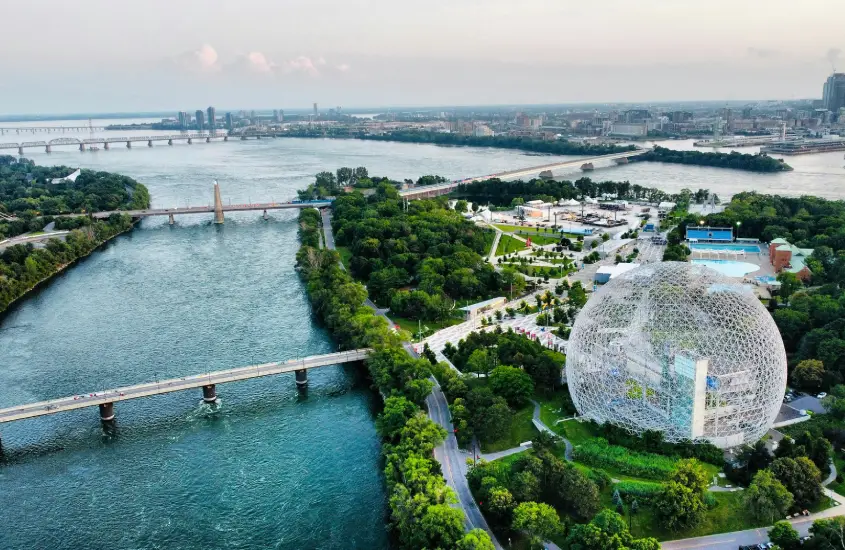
107,142
37,129
105,400
448,187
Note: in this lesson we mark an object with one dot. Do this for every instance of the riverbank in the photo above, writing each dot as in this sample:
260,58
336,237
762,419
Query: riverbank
419,499
81,246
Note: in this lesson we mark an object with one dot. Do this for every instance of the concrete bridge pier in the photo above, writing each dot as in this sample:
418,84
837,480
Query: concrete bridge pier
209,393
301,378
20,151
225,138
106,145
170,219
208,140
170,142
150,143
107,412
129,145
48,149
265,216
190,141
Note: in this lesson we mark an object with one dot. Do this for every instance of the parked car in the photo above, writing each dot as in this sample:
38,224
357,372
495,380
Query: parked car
822,395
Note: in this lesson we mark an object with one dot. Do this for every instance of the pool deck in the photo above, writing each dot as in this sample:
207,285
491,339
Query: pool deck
761,260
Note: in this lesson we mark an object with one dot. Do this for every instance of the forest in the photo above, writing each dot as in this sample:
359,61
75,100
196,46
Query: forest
531,144
423,245
27,194
22,267
504,193
734,160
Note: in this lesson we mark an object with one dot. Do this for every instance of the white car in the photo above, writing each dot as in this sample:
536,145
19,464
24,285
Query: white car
822,395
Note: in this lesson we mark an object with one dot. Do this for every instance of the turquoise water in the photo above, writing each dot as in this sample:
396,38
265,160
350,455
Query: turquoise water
273,468
729,267
749,248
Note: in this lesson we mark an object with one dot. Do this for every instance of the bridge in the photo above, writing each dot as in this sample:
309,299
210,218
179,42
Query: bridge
105,400
106,142
36,129
446,188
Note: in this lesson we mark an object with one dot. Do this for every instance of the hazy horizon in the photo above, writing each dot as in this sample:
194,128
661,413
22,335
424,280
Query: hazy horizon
98,56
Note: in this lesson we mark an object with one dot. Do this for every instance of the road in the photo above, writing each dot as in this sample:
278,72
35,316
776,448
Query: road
28,238
177,384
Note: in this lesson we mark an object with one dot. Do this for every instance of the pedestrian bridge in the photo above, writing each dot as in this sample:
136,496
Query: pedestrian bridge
105,400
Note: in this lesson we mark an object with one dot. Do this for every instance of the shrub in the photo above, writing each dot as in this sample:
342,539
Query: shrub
599,453
643,491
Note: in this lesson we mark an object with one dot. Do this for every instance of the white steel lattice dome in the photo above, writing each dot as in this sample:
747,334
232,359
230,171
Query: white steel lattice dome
679,348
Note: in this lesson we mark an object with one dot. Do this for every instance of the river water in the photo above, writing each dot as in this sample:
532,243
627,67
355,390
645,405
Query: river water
271,468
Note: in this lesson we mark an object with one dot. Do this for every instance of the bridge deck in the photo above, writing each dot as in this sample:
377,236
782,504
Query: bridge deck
209,208
177,384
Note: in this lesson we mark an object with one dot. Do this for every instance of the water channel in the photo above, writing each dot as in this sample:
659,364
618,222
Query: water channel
272,468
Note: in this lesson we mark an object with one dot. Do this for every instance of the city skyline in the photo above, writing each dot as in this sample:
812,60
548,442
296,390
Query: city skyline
383,54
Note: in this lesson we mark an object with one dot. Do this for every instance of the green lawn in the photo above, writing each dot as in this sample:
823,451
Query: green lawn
521,430
508,244
542,239
428,327
489,238
345,256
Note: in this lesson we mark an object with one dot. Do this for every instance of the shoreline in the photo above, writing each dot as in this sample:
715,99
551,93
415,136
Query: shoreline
40,285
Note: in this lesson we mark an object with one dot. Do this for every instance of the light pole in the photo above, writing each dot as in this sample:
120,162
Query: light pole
737,229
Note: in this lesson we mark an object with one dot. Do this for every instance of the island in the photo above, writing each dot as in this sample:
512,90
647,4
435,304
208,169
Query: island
40,233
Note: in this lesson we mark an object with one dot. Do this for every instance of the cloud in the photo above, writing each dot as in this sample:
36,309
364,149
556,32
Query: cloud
259,63
304,65
344,68
205,59
321,60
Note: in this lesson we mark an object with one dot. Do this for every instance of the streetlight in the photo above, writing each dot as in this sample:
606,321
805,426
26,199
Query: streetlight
737,229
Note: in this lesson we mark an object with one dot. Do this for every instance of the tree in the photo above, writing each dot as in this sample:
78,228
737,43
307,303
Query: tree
429,354
766,497
577,295
607,531
808,375
525,486
500,504
801,478
538,520
461,206
679,507
789,283
441,527
477,539
691,473
397,411
784,535
513,384
479,362
829,534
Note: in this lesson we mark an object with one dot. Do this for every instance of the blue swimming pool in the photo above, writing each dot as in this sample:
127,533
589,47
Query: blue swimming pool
747,248
730,268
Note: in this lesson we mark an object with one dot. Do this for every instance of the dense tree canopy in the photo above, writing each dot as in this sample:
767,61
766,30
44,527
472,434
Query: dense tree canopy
26,192
738,161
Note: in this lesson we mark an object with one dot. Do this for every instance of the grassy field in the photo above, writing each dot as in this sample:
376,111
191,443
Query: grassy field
345,256
412,326
508,244
541,239
521,430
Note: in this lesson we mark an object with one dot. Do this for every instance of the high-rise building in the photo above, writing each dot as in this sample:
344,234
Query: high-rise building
281,115
200,120
276,115
229,124
212,119
833,96
316,111
184,120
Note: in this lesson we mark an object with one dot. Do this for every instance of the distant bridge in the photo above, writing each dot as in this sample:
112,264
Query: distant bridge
446,188
106,142
105,400
37,129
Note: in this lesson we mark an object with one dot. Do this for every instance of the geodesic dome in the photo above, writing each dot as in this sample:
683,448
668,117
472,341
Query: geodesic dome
680,348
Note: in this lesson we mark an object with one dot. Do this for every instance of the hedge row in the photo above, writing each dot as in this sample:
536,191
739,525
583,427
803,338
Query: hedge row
599,453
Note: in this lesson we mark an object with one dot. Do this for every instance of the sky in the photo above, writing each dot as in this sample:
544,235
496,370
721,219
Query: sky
107,56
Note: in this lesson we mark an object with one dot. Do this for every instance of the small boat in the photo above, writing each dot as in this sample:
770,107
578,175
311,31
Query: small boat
588,167
623,160
93,148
